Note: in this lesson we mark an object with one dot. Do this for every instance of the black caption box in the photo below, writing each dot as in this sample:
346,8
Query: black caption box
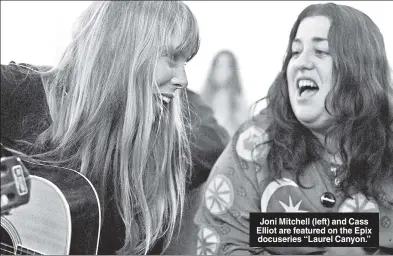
314,229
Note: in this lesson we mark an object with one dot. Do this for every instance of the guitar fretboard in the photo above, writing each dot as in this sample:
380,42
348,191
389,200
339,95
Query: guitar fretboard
7,249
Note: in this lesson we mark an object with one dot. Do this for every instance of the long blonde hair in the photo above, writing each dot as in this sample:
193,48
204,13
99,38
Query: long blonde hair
107,121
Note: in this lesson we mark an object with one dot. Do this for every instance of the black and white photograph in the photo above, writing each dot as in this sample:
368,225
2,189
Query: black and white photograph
196,127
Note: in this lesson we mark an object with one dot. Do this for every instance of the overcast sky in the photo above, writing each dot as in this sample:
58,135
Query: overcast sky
36,32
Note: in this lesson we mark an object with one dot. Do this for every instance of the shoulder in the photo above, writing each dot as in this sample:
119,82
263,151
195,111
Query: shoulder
16,76
250,141
23,101
21,71
21,82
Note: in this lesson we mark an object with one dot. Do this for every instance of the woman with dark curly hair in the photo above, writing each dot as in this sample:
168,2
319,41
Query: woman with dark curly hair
323,144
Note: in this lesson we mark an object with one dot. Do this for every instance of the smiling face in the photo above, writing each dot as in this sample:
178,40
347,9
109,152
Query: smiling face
170,74
309,72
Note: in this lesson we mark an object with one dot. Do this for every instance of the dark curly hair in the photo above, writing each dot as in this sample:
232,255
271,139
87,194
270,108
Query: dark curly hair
360,103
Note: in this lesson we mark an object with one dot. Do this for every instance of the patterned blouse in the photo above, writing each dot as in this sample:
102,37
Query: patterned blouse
238,186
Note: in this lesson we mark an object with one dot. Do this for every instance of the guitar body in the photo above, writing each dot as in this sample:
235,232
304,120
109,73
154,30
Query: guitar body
57,219
43,225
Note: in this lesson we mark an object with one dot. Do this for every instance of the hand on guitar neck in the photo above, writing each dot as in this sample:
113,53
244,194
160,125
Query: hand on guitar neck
15,184
4,200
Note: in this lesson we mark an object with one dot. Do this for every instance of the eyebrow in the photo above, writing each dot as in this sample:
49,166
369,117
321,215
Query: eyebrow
314,39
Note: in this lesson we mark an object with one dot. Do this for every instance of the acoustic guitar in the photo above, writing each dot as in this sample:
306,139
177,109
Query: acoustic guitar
42,214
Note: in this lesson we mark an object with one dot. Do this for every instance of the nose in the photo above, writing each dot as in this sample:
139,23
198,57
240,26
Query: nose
179,78
304,61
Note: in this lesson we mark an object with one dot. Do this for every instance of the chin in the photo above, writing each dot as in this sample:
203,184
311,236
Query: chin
304,116
317,125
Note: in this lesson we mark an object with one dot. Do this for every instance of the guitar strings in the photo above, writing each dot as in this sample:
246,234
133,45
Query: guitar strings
19,249
4,250
26,250
7,245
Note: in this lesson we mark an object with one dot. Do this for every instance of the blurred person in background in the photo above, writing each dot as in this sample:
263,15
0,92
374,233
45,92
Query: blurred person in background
223,91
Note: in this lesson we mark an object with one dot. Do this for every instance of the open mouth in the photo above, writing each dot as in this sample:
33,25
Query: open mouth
166,98
307,87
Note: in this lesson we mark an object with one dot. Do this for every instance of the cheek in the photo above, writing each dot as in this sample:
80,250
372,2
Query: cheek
163,74
327,69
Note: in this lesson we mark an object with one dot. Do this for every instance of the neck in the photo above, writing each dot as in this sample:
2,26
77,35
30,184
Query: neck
331,152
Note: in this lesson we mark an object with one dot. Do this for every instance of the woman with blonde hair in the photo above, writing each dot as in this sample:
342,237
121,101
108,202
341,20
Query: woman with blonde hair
111,109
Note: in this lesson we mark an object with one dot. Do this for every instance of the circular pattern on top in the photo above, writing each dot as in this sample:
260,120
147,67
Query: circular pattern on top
247,142
358,203
219,194
208,241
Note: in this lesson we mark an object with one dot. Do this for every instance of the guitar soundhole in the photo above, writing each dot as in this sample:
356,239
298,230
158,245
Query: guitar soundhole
6,246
